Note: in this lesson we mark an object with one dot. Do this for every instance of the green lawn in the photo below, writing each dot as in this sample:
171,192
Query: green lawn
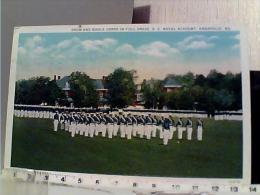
219,155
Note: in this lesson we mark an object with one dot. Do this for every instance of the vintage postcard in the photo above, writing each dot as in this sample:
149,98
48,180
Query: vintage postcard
149,101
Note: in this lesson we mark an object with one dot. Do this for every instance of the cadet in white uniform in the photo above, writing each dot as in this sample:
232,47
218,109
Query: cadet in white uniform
22,113
129,126
56,121
172,127
62,121
141,125
161,127
189,129
154,126
103,124
135,127
180,128
148,126
87,122
110,125
41,113
122,126
26,112
67,122
116,120
199,129
76,117
97,124
81,125
166,131
72,127
92,125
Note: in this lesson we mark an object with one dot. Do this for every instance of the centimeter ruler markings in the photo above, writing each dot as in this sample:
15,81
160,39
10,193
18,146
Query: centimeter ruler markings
98,182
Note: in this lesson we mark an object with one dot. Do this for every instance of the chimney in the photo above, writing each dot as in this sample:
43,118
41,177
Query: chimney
55,77
58,77
104,78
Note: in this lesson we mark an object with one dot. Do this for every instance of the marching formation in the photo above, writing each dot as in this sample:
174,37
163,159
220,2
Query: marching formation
125,125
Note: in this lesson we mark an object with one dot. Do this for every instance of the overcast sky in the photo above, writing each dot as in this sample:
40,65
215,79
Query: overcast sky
152,54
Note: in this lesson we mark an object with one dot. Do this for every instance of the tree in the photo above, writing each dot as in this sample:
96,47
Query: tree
37,90
83,91
153,95
200,80
54,94
121,88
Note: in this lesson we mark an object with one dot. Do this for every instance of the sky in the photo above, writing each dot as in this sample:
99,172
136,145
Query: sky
152,54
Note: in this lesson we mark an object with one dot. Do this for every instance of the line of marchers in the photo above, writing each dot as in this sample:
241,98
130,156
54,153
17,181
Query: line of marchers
211,93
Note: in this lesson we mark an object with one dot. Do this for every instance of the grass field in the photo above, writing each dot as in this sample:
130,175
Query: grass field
219,155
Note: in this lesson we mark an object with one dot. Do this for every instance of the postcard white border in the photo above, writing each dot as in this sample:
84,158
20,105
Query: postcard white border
246,178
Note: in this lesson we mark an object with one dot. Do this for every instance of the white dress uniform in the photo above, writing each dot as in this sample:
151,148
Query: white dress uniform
87,121
26,113
72,127
81,125
103,126
41,113
189,129
67,123
97,126
122,127
135,127
199,130
45,114
22,113
37,113
129,127
110,126
62,122
154,127
166,131
18,113
51,114
141,126
180,128
92,126
33,114
161,129
116,125
56,121
172,129
77,126
148,127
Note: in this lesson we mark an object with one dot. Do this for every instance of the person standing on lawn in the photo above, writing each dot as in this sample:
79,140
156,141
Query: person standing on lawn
172,126
166,131
199,129
56,121
189,128
180,128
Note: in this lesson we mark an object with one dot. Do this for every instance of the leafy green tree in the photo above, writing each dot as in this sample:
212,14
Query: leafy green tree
153,94
223,99
121,88
200,80
55,94
37,90
83,91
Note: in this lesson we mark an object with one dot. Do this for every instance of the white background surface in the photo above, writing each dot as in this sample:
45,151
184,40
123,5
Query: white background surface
246,12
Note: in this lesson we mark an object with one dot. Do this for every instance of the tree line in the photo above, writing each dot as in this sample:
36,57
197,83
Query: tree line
214,92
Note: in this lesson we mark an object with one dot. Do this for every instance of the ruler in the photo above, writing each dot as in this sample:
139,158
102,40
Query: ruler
96,181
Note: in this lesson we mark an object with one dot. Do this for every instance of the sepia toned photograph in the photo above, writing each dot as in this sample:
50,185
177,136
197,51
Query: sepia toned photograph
161,103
